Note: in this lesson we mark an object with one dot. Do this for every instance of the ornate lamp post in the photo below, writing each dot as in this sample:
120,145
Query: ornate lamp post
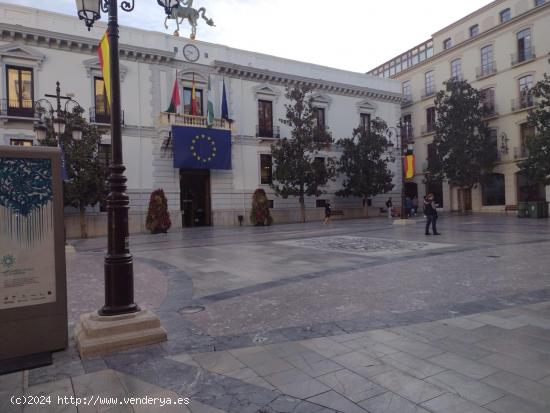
401,134
119,274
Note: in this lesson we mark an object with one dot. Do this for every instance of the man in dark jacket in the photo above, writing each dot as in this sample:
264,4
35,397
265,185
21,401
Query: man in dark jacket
431,214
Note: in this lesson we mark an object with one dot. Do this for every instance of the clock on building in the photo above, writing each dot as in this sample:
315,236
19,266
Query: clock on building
191,52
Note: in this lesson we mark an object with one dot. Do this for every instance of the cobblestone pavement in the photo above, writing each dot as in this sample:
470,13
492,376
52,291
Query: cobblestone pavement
362,316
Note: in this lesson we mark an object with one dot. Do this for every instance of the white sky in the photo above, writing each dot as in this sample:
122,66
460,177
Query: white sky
356,35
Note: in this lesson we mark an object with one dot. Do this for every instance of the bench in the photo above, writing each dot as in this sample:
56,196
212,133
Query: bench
513,208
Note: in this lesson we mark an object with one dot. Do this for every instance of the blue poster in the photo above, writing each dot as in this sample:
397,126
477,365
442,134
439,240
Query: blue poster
201,148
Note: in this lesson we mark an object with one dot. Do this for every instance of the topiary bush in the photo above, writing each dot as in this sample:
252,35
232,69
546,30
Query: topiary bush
158,218
259,215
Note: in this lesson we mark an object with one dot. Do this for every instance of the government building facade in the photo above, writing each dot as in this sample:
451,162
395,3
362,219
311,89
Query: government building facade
38,48
502,50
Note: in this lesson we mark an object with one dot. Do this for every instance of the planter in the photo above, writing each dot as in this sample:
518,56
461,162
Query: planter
538,209
523,210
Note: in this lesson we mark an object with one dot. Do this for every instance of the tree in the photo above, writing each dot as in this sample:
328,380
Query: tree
85,175
297,170
158,217
364,162
259,214
536,166
464,152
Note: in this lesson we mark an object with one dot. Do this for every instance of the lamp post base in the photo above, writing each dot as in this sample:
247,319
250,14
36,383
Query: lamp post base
96,335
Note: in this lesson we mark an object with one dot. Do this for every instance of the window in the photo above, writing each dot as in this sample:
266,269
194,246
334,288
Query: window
456,69
488,100
265,118
447,43
429,83
430,119
505,15
474,30
104,157
320,203
21,142
187,91
319,118
365,122
525,51
539,2
525,95
266,169
20,91
493,190
487,60
101,109
526,131
406,88
406,128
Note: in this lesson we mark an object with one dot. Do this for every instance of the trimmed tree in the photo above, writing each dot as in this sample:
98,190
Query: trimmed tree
297,172
464,151
365,162
259,214
158,217
84,183
536,166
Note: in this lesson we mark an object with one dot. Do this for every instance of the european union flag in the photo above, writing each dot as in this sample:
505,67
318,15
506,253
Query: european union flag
201,148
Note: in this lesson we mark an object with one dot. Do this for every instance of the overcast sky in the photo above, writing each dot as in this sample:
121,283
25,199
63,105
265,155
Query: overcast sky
355,35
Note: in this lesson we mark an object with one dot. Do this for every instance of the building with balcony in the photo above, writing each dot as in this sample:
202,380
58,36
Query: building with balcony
493,49
38,48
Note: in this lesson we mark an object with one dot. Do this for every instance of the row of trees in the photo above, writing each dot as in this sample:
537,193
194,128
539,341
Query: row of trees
298,171
465,153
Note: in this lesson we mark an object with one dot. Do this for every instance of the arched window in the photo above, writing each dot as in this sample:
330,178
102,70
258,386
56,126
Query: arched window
493,191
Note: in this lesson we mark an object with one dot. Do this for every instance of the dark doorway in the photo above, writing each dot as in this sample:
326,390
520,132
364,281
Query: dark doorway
411,190
464,199
195,197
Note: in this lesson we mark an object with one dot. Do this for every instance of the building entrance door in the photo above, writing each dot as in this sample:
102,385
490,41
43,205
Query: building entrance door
195,197
464,200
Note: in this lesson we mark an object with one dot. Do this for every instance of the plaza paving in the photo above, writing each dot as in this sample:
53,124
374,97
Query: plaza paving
361,316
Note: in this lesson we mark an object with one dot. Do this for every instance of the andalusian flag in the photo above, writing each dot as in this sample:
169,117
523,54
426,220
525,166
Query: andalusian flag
105,63
193,98
409,166
175,101
209,107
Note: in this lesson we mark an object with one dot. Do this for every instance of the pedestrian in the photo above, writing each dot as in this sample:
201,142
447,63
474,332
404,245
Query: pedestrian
414,203
408,207
328,211
389,205
431,215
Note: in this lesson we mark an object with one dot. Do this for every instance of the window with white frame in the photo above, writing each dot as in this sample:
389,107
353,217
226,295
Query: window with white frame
456,69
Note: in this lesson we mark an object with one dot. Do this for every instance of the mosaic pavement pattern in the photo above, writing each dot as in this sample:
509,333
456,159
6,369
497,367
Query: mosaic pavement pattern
366,246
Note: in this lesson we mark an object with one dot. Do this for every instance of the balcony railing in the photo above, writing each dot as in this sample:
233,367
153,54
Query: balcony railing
486,70
524,56
273,132
17,108
407,132
407,101
167,118
491,110
426,93
525,101
427,129
520,152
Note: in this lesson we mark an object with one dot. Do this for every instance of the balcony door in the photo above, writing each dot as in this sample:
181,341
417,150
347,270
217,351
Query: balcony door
265,118
102,112
20,91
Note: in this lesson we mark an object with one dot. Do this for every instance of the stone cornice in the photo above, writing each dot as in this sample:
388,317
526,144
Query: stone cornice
285,79
46,38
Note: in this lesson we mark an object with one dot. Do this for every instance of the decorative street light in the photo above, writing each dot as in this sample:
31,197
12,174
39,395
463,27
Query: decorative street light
119,273
59,120
403,146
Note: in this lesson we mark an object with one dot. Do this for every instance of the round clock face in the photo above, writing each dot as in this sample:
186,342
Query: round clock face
191,53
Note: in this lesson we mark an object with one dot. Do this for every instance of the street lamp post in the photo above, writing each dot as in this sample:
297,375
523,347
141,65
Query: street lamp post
119,273
402,150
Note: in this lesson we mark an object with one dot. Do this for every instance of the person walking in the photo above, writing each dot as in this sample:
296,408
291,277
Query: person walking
408,207
431,215
414,203
328,211
389,205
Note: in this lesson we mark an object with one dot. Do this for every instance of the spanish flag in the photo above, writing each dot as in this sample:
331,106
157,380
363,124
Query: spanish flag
105,63
409,166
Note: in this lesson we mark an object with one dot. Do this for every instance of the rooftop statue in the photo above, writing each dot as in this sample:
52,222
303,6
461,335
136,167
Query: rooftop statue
184,10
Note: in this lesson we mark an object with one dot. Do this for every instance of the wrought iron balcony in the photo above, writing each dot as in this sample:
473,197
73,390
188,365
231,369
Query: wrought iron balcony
407,101
167,118
265,132
427,129
486,70
17,108
426,93
407,132
525,101
491,110
102,116
523,56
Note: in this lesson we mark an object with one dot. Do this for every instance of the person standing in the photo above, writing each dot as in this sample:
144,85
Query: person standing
328,211
414,205
389,206
431,214
408,207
